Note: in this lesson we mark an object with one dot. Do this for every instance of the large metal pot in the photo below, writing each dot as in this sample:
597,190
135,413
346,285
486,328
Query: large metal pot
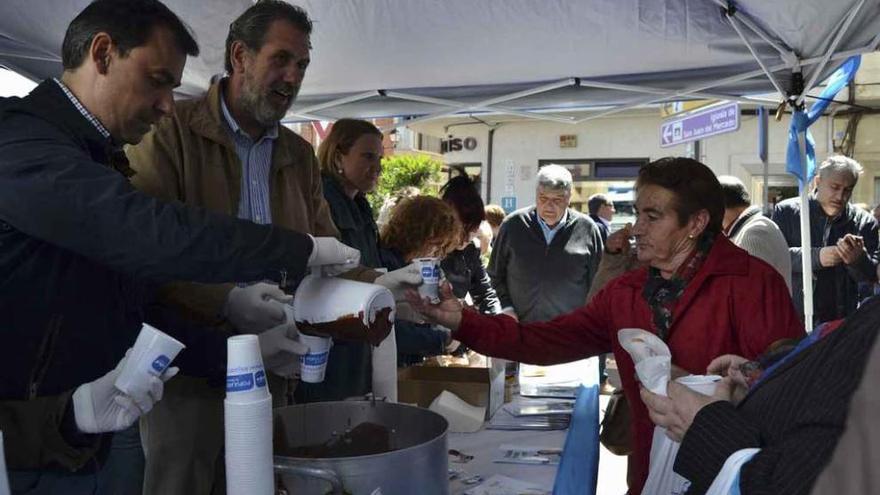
418,462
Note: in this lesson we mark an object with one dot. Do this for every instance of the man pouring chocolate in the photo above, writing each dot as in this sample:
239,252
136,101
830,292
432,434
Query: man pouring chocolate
227,152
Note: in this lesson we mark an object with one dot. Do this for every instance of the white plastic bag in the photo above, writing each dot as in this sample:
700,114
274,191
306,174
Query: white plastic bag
727,481
651,357
653,363
662,480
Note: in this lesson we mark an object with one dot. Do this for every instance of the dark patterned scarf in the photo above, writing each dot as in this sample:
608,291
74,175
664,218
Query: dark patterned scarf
662,295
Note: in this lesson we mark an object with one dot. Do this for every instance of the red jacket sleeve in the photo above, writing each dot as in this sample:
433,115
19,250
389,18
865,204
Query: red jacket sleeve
579,334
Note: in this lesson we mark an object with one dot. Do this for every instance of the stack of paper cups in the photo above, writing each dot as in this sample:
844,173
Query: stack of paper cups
153,351
247,420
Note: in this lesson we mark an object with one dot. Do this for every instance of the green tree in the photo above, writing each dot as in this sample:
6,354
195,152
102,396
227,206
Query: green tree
399,171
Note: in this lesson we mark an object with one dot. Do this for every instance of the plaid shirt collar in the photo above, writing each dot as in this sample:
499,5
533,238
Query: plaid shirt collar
116,157
85,113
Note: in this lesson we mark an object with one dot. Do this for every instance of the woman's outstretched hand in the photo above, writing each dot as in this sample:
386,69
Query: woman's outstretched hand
446,313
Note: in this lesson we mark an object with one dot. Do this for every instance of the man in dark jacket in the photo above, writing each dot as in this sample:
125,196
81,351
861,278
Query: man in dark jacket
81,247
545,255
844,241
601,211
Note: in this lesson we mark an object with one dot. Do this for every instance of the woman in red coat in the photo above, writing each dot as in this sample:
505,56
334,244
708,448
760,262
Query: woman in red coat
698,292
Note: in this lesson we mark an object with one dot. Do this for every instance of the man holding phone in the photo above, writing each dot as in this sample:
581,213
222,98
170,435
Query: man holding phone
844,241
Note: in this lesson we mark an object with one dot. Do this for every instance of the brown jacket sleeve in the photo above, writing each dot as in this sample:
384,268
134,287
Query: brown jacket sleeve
157,161
853,467
32,434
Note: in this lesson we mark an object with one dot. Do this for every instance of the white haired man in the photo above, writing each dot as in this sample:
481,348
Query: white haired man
844,241
546,255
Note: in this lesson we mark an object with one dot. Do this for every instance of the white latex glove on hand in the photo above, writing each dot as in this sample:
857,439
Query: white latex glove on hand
100,407
255,308
279,347
401,279
333,256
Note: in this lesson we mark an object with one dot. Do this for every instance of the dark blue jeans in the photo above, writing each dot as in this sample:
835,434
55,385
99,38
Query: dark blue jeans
122,474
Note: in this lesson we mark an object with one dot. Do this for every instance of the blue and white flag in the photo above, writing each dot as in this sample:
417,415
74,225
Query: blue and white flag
801,121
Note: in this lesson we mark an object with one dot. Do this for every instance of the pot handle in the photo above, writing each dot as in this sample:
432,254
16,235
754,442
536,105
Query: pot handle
327,475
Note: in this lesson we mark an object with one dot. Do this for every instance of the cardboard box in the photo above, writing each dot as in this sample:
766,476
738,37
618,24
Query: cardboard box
483,387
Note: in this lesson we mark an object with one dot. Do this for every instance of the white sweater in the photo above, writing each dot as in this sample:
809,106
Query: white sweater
763,239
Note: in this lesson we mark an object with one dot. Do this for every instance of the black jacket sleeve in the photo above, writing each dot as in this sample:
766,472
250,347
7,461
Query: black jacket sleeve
865,270
481,289
205,352
498,266
50,190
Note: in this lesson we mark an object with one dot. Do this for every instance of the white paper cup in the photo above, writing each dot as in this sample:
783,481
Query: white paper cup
314,363
151,355
323,299
430,269
245,376
704,384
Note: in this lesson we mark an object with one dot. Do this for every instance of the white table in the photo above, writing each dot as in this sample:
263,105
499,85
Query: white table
483,444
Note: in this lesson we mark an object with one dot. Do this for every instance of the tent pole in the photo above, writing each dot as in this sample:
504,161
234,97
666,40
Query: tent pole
341,101
742,36
500,99
806,241
732,79
658,91
684,92
817,71
785,52
465,106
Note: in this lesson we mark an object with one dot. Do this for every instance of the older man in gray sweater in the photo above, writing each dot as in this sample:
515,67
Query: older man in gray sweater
545,256
749,229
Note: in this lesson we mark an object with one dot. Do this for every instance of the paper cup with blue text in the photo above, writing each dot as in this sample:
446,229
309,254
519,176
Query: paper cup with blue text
151,355
314,363
245,376
430,288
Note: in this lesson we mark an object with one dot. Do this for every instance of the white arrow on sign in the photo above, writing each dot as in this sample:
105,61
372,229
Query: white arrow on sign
667,134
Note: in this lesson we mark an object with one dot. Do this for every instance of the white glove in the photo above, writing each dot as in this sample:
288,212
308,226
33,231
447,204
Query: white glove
100,407
334,256
255,308
399,280
280,346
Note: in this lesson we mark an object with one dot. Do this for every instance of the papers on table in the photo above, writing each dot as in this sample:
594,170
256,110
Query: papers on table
502,485
514,454
540,408
530,414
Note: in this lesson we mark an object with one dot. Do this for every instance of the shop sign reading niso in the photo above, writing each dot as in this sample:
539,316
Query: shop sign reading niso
457,144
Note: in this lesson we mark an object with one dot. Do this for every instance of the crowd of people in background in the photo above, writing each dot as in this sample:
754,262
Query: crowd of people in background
214,209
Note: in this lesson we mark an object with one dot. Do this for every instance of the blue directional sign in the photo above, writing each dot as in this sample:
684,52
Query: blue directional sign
706,122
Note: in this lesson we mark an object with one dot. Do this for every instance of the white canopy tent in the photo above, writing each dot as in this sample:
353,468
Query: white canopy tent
408,58
425,59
